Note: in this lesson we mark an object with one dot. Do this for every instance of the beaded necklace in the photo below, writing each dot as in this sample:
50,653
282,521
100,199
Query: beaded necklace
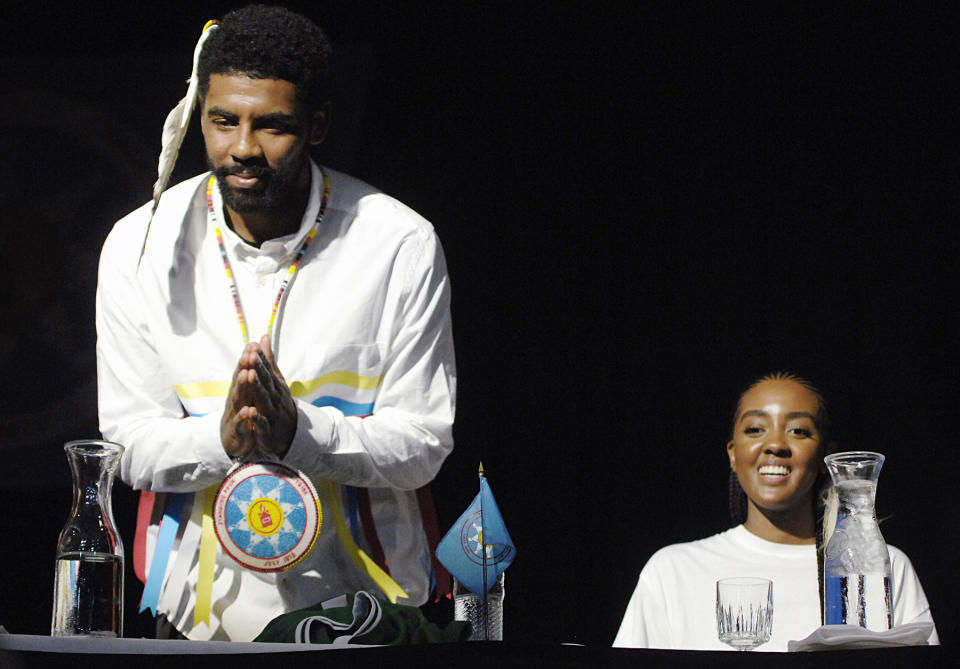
309,502
234,291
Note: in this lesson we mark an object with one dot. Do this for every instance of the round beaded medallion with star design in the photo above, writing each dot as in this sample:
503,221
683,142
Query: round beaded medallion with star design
267,516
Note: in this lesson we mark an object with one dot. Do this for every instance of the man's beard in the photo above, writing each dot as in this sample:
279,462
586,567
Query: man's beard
277,185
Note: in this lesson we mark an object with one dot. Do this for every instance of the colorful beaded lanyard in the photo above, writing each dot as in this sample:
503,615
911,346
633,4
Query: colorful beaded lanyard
265,515
241,542
234,291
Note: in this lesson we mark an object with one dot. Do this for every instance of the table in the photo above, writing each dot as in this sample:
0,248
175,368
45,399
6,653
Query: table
28,651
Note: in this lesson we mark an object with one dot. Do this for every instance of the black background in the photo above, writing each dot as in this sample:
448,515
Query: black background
643,208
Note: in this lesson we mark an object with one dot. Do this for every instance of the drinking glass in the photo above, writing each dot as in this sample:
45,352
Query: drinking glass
486,625
744,611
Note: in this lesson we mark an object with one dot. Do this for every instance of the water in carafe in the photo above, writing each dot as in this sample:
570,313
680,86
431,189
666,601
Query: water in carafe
88,577
857,575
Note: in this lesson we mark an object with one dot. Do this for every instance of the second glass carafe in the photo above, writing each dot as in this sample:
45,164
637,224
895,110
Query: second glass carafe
857,577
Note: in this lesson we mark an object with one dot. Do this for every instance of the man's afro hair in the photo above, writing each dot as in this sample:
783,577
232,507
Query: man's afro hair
265,42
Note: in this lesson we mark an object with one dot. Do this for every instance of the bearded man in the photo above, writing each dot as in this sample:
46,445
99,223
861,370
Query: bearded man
280,311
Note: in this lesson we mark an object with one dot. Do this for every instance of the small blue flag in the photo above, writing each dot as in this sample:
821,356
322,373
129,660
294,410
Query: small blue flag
478,538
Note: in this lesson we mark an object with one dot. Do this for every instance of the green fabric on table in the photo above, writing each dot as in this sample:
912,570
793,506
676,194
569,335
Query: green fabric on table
364,620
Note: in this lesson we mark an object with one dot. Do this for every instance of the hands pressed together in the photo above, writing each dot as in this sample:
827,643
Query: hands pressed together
260,415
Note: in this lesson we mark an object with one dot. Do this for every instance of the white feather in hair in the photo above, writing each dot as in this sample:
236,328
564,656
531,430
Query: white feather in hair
174,130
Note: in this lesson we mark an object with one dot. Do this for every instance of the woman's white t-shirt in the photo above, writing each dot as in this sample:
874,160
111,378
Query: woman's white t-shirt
674,604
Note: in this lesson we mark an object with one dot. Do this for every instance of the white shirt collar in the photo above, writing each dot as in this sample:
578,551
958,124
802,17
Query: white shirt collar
279,248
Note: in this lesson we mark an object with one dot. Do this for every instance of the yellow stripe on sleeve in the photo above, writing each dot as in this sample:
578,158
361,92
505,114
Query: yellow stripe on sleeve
352,379
195,391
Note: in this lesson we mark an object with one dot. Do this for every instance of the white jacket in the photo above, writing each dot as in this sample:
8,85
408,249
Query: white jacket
364,329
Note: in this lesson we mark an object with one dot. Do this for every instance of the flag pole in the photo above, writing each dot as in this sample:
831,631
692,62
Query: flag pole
483,559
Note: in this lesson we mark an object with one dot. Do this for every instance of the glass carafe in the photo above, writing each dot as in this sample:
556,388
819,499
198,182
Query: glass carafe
857,579
88,581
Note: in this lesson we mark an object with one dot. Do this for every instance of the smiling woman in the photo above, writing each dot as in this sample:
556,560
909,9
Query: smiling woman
776,455
776,483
